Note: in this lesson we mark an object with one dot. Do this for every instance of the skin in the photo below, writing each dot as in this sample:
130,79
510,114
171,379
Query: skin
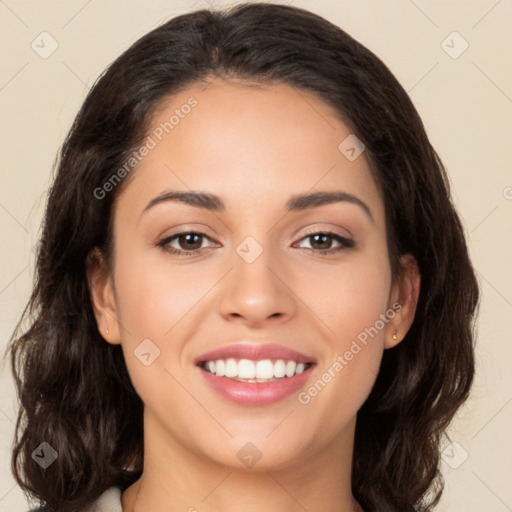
254,146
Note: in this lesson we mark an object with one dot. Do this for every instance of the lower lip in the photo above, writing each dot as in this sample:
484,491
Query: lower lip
257,393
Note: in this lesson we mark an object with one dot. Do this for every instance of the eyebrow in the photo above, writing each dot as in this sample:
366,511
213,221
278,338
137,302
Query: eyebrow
296,203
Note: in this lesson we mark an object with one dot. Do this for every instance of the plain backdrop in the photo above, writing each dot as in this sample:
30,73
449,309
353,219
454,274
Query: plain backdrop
454,59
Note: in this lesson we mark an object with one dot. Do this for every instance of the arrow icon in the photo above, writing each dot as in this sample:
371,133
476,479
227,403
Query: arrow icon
454,455
44,44
146,352
351,147
44,455
249,253
249,454
454,45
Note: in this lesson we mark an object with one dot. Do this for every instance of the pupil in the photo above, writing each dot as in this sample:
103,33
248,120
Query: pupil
325,245
188,239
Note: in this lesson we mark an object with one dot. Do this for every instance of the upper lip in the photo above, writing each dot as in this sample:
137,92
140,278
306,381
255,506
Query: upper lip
255,352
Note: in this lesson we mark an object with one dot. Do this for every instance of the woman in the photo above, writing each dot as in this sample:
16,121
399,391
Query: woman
252,288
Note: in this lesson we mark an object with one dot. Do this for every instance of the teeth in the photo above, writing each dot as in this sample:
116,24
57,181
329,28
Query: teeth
254,371
246,369
264,369
231,369
219,368
279,368
290,368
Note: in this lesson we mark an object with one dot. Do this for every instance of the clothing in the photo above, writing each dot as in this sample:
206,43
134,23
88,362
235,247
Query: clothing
109,501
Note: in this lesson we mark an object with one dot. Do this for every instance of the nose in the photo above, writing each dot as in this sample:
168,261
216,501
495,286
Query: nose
258,292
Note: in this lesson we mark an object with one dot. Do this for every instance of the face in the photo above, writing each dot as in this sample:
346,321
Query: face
254,272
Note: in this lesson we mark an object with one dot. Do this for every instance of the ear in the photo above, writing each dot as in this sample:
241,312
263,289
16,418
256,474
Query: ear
403,300
102,295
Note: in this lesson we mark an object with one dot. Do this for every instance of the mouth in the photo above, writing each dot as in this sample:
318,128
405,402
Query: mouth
255,375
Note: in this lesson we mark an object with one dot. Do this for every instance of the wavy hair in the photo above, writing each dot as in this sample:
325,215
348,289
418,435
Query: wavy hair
74,389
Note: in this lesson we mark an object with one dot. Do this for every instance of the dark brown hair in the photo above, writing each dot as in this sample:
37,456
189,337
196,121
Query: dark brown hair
74,388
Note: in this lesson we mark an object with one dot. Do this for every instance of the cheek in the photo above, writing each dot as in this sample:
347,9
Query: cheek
153,296
352,303
158,301
348,296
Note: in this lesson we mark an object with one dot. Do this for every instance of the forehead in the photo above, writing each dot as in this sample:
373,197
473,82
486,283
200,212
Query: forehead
249,143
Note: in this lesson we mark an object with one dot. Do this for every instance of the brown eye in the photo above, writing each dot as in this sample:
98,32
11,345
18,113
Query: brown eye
322,242
189,241
185,243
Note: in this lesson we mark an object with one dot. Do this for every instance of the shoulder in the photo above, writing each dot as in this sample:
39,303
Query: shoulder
109,501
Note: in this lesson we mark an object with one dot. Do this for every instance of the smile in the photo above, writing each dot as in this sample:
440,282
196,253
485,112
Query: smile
255,374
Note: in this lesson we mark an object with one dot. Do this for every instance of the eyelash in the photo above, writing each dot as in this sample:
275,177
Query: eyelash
345,243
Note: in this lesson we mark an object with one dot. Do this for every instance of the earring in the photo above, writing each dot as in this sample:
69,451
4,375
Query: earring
107,331
394,335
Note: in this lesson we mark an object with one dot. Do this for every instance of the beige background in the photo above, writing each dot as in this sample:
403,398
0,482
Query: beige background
466,105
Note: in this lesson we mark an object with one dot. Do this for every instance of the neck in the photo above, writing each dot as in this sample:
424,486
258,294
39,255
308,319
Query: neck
177,479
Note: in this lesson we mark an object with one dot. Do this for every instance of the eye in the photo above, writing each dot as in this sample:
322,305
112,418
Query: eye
321,242
189,242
